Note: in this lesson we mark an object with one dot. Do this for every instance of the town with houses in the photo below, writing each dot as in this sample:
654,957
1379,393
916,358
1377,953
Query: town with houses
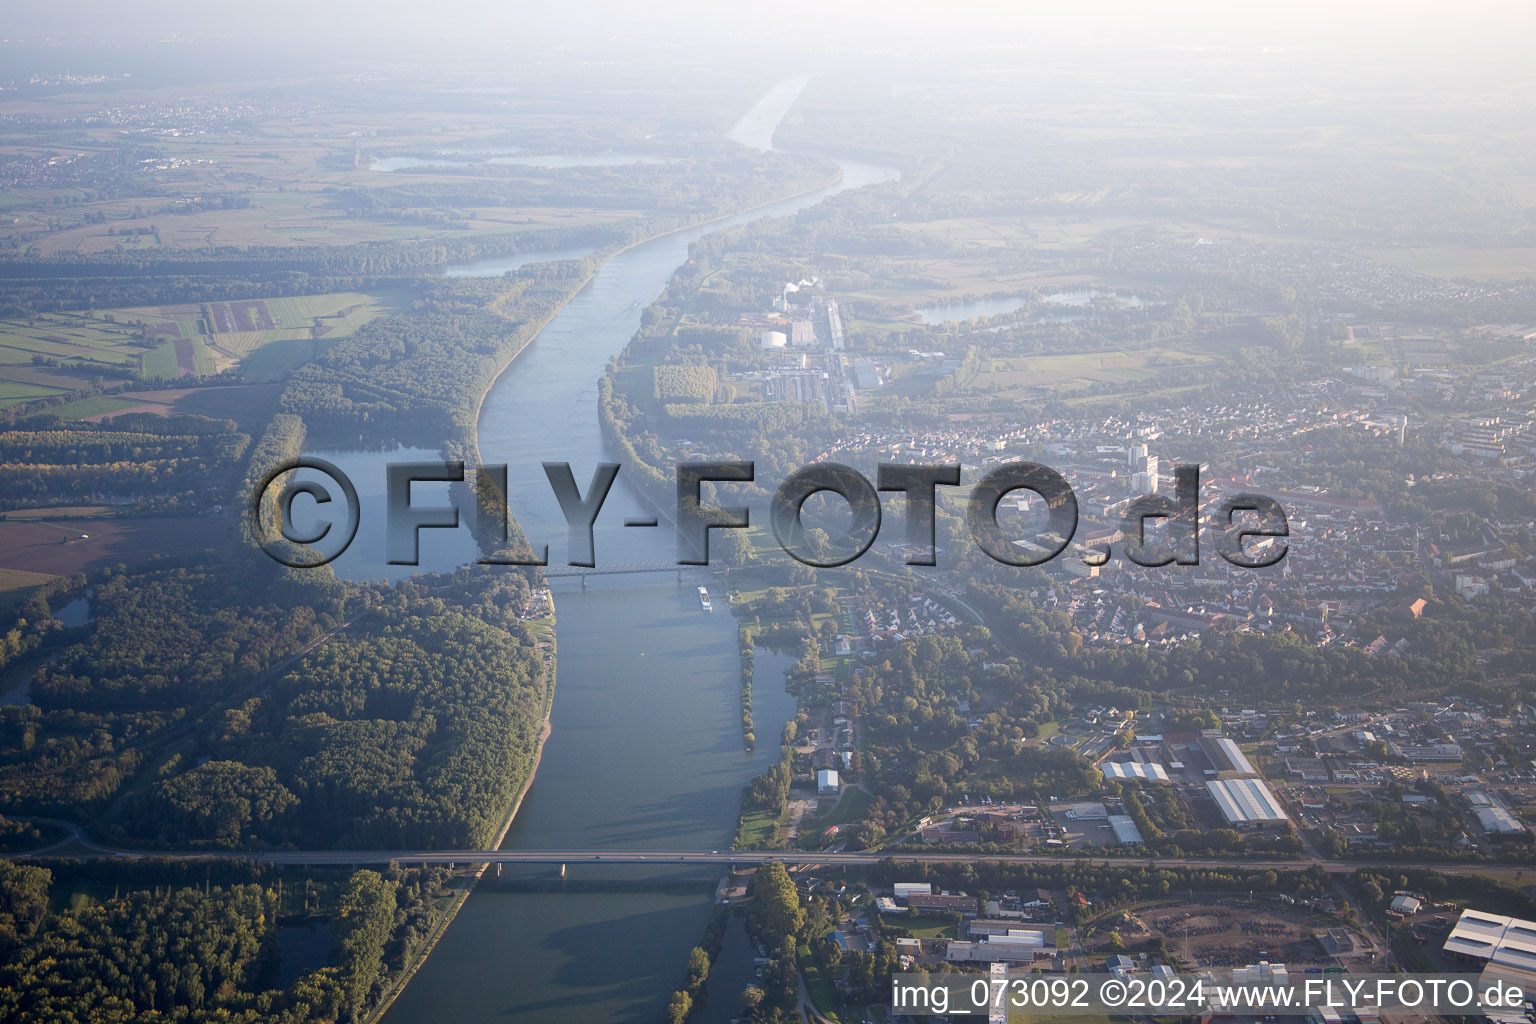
1346,556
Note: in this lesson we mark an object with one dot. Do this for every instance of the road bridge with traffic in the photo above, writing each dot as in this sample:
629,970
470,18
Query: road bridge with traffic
78,845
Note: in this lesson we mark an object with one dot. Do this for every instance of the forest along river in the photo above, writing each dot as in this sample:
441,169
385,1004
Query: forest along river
646,743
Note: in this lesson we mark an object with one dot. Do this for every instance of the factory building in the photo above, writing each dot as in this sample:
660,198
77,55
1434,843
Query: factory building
1134,771
1126,832
1246,803
1227,759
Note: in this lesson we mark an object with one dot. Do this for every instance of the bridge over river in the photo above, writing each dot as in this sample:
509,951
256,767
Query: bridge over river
78,845
569,572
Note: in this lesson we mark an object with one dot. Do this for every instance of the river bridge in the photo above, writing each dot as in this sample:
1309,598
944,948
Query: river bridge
78,845
570,572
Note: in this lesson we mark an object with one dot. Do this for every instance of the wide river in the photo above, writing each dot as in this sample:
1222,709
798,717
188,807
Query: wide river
646,747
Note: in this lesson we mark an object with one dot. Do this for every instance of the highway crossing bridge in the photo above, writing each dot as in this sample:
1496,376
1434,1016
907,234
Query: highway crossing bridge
564,859
568,572
78,845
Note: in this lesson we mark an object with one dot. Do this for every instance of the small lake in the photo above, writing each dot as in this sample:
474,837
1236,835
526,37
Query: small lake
75,613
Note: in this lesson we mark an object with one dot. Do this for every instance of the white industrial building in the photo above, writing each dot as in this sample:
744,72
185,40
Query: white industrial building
1134,771
905,889
1014,948
1126,832
1506,946
1226,757
1492,816
827,782
835,325
1261,973
1246,803
1087,811
980,928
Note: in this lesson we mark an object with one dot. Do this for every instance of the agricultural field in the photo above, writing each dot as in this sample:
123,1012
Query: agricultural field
271,179
933,281
1067,373
48,355
272,336
983,264
269,337
72,339
249,405
17,392
1478,264
1060,231
265,337
33,551
280,177
92,408
87,342
16,584
285,219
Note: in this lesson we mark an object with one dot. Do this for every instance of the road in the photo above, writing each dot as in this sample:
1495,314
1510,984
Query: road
325,858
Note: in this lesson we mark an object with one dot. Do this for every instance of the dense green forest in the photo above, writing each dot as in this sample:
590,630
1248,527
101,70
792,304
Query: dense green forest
162,463
420,374
205,953
413,729
23,902
181,717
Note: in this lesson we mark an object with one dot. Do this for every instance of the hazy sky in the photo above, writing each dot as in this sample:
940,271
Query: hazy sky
1374,25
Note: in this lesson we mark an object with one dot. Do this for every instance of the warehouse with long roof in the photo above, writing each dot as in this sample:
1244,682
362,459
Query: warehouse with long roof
1226,757
1246,803
1135,771
1504,946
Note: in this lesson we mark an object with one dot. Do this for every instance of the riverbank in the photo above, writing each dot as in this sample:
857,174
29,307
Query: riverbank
430,943
595,263
598,260
672,712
